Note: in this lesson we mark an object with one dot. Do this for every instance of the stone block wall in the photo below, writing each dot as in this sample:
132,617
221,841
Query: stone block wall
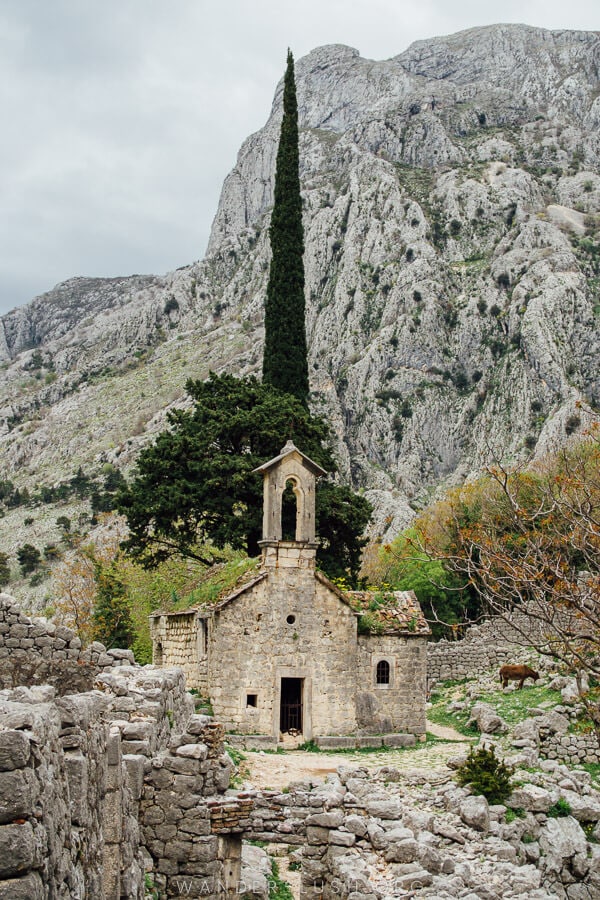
100,787
288,625
400,705
34,651
181,640
489,645
194,851
56,816
572,749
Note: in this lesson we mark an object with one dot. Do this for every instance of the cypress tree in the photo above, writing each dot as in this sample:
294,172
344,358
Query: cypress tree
285,364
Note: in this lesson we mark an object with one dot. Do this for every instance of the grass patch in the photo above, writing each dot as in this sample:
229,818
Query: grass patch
218,581
511,814
513,706
278,888
560,809
594,771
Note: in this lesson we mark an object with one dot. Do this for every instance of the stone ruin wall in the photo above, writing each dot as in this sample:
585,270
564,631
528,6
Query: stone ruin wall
490,645
181,640
34,651
98,788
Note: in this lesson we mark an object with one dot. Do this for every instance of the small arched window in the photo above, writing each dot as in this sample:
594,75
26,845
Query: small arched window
382,675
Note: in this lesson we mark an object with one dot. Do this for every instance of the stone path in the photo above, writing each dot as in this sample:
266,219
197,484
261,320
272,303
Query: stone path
278,770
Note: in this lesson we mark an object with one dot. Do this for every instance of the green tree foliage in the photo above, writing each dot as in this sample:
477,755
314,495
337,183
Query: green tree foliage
29,558
104,498
444,597
4,569
113,625
285,356
195,483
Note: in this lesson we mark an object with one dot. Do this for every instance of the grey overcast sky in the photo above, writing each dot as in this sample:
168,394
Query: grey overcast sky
121,118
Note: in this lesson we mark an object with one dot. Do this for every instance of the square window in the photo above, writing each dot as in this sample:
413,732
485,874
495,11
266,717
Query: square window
252,700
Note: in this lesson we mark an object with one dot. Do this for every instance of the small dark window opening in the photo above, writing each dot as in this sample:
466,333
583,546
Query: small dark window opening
251,699
383,672
291,619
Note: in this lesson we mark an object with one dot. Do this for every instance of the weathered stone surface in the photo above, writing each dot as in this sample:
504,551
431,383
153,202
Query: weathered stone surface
29,887
532,798
561,842
17,849
18,791
475,812
14,750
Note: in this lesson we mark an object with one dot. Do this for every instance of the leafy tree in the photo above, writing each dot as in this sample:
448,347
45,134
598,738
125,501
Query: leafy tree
112,613
528,539
29,558
285,355
195,483
4,569
445,599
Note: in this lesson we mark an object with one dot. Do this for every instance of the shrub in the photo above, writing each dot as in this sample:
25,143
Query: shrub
29,558
486,775
4,569
560,809
572,424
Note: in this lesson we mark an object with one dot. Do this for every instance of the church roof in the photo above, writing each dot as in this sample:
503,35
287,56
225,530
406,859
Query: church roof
389,612
379,612
290,447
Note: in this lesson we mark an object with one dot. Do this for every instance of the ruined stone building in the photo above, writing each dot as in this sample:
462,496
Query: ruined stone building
287,651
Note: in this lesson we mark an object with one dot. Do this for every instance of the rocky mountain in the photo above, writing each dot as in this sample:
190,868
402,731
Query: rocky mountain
452,220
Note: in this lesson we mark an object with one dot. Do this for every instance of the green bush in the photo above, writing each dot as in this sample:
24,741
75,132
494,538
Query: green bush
560,809
486,775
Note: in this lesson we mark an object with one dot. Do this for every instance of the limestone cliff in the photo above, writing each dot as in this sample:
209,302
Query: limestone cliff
452,200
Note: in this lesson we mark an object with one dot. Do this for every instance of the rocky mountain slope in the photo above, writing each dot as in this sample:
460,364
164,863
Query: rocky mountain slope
452,201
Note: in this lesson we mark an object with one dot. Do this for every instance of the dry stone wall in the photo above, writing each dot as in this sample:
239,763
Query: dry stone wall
572,749
486,646
101,787
35,651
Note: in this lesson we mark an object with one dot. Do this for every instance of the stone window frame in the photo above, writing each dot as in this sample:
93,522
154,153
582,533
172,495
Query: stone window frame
390,673
250,692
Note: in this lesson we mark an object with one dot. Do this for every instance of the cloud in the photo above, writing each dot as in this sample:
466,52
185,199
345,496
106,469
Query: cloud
121,119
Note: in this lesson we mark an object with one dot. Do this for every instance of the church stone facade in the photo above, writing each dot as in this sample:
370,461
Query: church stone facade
288,652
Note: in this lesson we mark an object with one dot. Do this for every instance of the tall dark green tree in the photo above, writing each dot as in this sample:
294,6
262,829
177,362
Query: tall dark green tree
285,364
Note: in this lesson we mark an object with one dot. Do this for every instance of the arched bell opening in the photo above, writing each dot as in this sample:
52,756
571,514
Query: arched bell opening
292,511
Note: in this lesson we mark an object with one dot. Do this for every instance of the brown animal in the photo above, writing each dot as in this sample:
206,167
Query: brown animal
517,673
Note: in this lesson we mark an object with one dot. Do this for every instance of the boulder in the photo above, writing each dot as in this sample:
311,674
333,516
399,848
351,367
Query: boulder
487,719
475,812
532,798
256,869
563,844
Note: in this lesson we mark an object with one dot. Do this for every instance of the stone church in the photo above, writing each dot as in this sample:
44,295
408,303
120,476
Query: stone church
287,651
